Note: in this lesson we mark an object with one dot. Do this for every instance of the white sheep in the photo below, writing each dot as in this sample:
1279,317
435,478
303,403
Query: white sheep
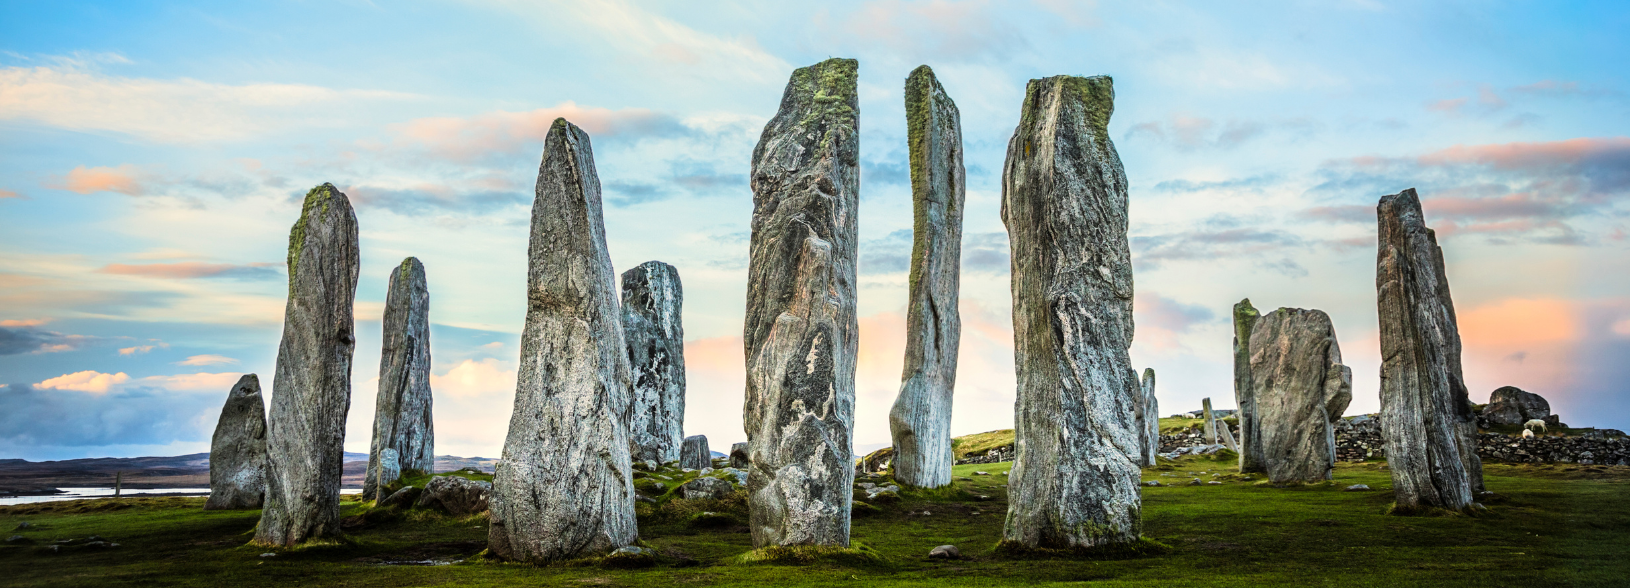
1527,434
1534,423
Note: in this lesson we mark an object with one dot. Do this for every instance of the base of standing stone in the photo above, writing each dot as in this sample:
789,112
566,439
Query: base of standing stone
1143,547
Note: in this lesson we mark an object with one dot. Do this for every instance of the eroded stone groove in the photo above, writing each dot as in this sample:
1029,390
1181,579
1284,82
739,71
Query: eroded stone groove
402,410
652,301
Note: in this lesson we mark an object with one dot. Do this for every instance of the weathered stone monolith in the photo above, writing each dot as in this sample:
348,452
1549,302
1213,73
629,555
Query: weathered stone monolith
564,488
694,453
1301,390
1425,411
237,452
652,301
311,391
920,421
402,411
738,456
1148,420
1074,481
1250,454
1210,421
800,332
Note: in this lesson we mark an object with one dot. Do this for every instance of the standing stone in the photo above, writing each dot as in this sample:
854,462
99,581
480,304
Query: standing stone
920,421
1227,436
402,410
387,470
564,487
1148,420
1425,410
1074,481
237,452
1301,390
1250,455
800,331
738,456
311,391
652,300
1210,421
695,455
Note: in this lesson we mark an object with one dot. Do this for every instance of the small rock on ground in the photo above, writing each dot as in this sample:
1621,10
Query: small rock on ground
945,552
1358,487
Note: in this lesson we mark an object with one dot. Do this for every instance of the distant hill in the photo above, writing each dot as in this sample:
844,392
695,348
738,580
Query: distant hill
20,476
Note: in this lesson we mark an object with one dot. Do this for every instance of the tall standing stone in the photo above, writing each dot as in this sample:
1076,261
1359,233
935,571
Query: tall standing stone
920,421
1210,420
1301,389
1074,480
311,391
1425,409
1148,420
1250,455
564,488
402,419
652,302
800,331
694,454
237,452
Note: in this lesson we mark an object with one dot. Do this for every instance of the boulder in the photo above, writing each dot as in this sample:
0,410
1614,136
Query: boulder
1250,455
800,330
652,301
1064,201
1430,427
1511,405
564,488
458,496
237,452
704,488
694,453
920,421
945,552
402,408
311,392
1300,389
738,456
403,498
632,556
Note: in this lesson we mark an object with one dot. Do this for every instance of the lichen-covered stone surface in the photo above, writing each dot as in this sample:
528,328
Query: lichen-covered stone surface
237,452
1074,482
800,331
458,496
1425,410
564,488
402,410
1250,454
920,421
694,454
311,391
1148,419
652,301
1301,388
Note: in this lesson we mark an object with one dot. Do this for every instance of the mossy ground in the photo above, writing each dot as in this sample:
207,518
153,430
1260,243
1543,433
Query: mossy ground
1548,525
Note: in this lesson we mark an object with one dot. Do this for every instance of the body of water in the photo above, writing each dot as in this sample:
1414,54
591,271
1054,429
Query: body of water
91,493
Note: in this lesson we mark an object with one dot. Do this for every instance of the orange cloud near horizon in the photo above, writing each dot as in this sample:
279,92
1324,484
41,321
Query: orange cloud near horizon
83,180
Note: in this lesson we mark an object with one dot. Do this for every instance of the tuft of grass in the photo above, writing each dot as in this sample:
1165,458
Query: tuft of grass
856,555
1143,547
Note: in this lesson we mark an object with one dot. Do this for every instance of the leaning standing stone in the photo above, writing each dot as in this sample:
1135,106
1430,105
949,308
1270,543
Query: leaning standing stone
920,421
1424,406
1250,455
800,331
695,455
237,453
1301,390
402,409
311,392
1074,480
652,301
564,488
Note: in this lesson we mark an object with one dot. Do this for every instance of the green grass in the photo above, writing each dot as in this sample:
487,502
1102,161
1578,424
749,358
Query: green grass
1547,525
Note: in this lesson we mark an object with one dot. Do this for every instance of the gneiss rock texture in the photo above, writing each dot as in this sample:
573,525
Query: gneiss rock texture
237,452
1148,419
652,301
1424,406
1301,388
1511,405
402,411
920,421
564,488
1250,453
1074,482
311,392
800,333
694,454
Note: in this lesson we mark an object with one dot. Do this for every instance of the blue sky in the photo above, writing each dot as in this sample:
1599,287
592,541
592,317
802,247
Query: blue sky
152,155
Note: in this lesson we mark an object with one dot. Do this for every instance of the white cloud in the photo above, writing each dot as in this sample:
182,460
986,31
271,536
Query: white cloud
207,359
140,349
472,378
193,382
86,381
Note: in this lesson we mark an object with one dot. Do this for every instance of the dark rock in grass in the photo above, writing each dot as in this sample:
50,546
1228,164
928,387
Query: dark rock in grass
311,391
1511,405
945,552
693,455
1358,488
1064,203
563,488
800,332
458,496
738,456
24,525
237,451
632,556
18,540
705,488
1301,389
402,407
652,303
403,498
860,508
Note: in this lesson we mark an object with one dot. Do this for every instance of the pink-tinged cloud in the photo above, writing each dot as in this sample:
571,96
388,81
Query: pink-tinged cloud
475,379
122,179
188,270
199,382
17,323
4,193
1450,106
503,132
140,349
1520,156
86,381
207,359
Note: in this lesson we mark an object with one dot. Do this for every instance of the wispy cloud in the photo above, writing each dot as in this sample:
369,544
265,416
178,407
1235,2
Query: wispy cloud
501,133
200,360
192,270
85,381
18,337
124,179
140,349
1188,133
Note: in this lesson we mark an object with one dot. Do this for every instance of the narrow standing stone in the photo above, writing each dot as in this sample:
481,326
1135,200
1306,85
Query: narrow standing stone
1210,421
920,421
402,411
1425,409
695,455
1148,420
1301,389
311,392
1227,436
565,488
237,452
1074,480
1250,455
800,331
652,302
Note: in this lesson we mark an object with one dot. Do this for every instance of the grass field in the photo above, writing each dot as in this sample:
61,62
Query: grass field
1550,525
